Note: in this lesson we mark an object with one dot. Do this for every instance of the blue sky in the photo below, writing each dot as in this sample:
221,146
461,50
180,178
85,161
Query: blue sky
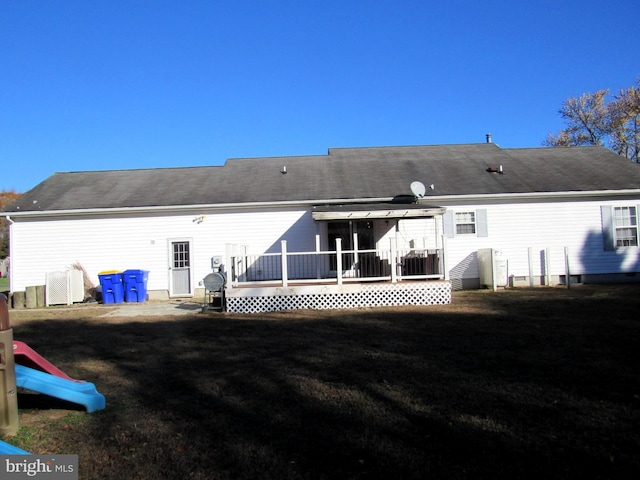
123,84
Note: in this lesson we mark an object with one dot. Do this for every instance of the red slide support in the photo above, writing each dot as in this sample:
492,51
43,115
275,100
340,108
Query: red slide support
28,357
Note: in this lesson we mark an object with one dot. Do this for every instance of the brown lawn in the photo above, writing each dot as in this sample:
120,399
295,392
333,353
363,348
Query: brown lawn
521,383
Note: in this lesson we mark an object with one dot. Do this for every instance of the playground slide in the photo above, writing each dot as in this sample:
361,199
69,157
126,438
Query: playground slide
81,393
8,449
27,356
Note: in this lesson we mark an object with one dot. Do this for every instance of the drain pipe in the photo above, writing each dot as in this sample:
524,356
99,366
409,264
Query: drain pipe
8,389
10,222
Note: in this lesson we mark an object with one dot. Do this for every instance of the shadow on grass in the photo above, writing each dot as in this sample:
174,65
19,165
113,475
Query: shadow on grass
516,384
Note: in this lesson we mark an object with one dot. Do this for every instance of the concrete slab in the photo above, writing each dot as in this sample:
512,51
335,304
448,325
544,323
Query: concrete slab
154,308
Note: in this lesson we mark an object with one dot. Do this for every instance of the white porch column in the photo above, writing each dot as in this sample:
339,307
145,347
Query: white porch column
283,258
339,260
444,263
318,257
355,243
567,267
394,260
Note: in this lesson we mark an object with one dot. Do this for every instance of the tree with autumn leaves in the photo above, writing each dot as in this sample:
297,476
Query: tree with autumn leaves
6,198
593,119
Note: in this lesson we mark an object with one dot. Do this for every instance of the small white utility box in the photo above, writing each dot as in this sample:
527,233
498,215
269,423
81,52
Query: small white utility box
492,266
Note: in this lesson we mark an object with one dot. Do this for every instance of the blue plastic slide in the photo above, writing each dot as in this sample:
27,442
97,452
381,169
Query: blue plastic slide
81,393
8,449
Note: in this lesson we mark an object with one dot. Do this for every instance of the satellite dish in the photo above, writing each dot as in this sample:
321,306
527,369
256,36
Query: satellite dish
418,189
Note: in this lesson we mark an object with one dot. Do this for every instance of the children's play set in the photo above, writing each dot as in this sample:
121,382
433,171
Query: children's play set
23,367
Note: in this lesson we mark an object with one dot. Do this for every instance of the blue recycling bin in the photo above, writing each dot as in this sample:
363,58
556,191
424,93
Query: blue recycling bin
135,285
112,287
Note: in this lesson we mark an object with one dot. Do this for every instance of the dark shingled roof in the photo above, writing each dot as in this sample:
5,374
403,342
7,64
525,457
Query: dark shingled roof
345,173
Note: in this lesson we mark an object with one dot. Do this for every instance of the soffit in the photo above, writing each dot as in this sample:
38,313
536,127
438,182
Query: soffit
370,211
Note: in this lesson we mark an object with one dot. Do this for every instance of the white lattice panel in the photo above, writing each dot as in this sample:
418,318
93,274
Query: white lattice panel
370,295
58,288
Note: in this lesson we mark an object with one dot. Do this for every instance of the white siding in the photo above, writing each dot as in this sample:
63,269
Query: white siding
417,233
412,233
142,242
514,228
138,242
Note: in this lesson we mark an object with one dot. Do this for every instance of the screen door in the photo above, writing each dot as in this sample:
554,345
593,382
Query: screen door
180,262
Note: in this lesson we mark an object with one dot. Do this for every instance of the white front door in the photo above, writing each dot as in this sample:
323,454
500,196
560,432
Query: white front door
180,268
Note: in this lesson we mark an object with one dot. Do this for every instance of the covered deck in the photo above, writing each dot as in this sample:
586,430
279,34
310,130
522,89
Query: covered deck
336,279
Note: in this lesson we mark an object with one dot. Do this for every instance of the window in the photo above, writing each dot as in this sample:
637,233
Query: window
180,255
619,226
626,226
465,223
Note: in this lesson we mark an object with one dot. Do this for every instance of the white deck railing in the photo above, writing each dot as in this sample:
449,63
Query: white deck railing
336,266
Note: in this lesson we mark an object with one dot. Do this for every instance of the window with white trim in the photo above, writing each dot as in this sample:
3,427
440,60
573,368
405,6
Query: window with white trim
625,221
465,223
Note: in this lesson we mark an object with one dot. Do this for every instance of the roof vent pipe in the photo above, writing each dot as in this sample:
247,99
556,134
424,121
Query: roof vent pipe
489,138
